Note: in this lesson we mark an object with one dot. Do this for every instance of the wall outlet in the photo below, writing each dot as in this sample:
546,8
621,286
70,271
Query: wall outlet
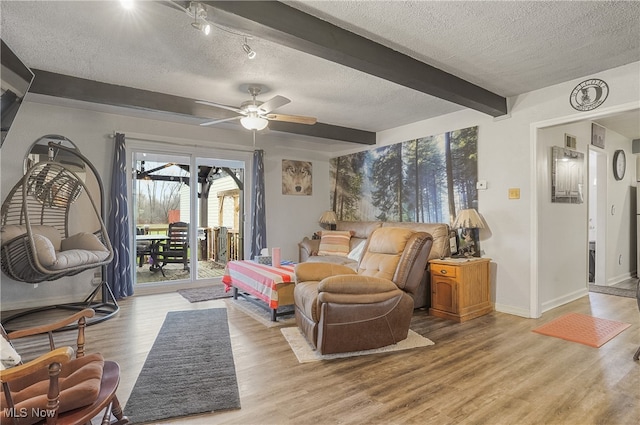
481,185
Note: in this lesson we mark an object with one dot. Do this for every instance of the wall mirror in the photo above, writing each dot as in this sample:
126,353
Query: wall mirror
41,151
566,175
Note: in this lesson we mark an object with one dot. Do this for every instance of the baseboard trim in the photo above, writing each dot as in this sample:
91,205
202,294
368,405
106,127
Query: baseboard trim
565,299
516,311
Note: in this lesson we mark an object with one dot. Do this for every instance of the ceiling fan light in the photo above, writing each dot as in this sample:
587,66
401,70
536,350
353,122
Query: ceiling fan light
254,123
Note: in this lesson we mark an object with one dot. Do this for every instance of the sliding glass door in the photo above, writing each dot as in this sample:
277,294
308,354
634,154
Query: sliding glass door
220,208
187,224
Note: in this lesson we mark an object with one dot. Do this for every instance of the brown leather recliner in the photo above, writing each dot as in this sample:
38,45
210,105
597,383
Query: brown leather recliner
341,310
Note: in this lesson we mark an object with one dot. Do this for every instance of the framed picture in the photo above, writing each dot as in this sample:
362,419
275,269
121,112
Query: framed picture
297,177
569,141
597,135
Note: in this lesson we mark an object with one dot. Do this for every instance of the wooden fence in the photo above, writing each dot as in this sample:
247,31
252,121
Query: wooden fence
220,244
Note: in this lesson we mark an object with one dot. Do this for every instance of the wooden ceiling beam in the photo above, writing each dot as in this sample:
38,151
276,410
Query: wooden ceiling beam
285,25
68,87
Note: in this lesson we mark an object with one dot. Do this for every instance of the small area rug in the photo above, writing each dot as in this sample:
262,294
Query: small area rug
306,354
611,290
213,292
189,369
261,314
584,329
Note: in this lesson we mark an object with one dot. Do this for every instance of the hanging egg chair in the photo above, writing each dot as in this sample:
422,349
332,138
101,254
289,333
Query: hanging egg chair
39,236
36,243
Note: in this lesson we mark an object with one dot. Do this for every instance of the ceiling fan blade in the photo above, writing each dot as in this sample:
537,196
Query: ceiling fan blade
298,119
219,105
273,103
219,121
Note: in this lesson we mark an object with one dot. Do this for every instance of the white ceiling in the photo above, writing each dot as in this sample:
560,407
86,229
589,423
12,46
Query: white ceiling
506,47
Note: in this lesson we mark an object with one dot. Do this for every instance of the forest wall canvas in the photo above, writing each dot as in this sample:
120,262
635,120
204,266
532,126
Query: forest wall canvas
425,180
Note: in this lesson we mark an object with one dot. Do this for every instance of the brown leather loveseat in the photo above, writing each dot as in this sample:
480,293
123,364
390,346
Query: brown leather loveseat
339,309
308,248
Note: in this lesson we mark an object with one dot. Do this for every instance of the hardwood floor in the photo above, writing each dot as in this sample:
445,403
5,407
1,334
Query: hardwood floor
490,370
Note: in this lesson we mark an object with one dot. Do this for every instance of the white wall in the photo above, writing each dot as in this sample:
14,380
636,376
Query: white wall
563,240
507,159
288,218
621,227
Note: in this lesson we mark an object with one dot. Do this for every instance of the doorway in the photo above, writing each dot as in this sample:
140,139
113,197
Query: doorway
597,223
187,224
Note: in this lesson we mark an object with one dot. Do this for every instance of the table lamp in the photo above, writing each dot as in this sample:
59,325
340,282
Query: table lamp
329,218
468,221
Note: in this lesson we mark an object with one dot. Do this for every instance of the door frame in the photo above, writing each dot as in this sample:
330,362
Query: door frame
193,149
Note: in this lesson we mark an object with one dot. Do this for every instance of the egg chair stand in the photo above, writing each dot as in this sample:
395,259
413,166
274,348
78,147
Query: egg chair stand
37,245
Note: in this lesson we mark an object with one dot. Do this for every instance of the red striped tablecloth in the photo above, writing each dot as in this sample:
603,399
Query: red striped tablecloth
260,280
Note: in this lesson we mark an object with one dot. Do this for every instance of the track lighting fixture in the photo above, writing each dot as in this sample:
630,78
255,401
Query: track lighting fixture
248,50
198,12
204,27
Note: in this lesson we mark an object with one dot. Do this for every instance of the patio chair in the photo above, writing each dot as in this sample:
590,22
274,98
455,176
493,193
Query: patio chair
176,248
143,248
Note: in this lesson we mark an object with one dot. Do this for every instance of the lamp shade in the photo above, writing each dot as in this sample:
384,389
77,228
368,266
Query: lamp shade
468,219
328,217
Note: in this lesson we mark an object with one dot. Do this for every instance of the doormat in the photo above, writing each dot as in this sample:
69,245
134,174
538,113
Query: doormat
189,370
584,329
213,292
306,354
610,290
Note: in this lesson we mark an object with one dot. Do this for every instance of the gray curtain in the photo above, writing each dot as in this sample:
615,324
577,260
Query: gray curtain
258,213
119,270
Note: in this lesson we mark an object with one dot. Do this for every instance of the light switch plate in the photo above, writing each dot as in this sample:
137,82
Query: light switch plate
514,193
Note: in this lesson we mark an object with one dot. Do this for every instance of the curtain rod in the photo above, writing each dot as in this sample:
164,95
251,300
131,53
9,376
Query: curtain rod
142,138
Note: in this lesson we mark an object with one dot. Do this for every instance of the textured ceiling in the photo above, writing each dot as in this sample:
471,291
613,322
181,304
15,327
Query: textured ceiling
506,47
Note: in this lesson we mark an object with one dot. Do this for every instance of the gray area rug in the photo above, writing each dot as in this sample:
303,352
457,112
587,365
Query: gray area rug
621,292
189,370
208,293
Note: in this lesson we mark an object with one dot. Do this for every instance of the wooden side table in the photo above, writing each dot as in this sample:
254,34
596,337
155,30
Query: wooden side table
460,288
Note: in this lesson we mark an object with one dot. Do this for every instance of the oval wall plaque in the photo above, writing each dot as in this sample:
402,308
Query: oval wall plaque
589,94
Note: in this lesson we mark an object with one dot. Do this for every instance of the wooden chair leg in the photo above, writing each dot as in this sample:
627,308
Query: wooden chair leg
116,409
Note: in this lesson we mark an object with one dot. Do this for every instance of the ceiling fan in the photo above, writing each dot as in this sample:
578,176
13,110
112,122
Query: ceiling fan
255,115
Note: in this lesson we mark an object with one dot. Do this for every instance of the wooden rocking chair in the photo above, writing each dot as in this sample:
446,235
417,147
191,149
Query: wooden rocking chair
29,399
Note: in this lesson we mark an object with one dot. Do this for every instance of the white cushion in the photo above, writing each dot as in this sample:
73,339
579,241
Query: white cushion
48,232
11,231
44,250
8,355
77,257
82,240
356,252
